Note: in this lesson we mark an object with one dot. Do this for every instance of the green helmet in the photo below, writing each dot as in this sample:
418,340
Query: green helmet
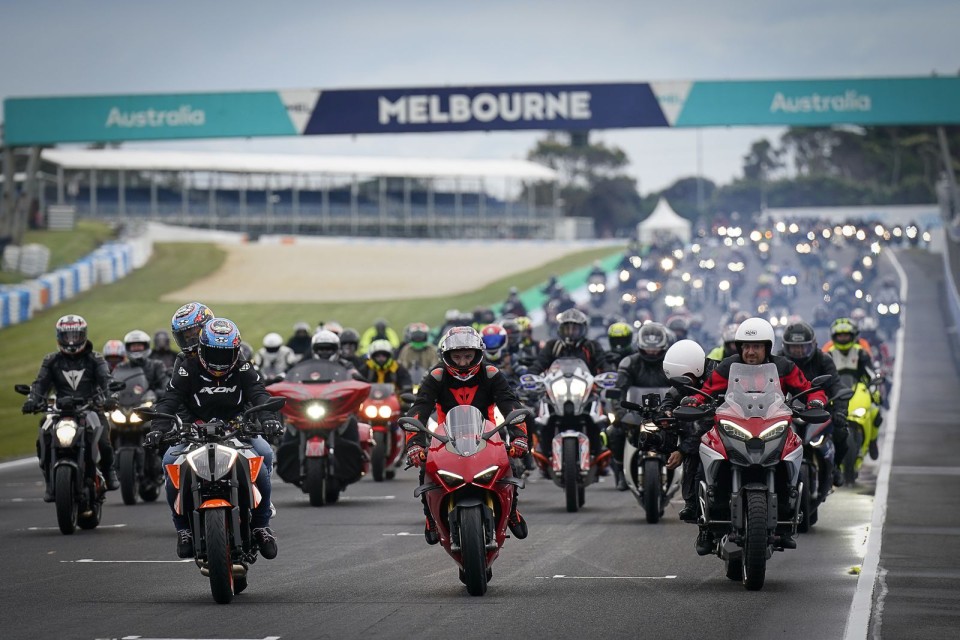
620,336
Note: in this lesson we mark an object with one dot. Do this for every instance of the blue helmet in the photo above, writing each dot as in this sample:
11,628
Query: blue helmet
187,322
219,348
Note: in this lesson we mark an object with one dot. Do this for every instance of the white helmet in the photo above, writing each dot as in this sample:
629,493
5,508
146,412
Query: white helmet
272,342
684,358
755,330
325,345
137,345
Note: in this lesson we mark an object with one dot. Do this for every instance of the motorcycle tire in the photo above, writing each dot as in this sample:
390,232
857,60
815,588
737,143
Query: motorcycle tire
651,489
473,554
67,506
390,474
91,519
150,492
129,480
571,473
315,481
755,541
850,471
806,501
333,490
378,457
219,562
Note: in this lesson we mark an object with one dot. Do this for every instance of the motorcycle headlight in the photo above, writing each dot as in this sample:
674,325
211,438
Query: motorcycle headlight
859,412
487,475
577,387
724,285
734,430
649,427
559,388
315,411
817,442
385,411
774,431
66,432
895,308
624,275
882,309
370,412
135,418
223,460
118,417
449,478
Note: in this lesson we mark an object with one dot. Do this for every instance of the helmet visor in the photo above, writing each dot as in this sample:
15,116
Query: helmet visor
219,360
72,339
798,350
571,331
188,339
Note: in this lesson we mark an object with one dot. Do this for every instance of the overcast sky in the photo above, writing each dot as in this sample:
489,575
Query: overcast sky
130,46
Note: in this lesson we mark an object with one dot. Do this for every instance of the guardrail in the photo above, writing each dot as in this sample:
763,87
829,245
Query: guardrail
951,296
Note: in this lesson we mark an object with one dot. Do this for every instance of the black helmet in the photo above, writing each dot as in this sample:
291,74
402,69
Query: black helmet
572,326
799,342
72,334
652,341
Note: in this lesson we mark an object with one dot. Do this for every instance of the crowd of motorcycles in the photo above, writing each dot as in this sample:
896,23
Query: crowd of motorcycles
764,473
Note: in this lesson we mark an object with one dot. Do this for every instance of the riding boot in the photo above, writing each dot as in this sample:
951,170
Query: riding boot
618,476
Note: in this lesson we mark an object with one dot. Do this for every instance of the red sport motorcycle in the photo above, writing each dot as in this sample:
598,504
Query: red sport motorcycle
469,487
325,447
750,498
381,410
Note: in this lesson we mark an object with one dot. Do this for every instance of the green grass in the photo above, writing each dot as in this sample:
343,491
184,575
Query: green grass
66,247
134,303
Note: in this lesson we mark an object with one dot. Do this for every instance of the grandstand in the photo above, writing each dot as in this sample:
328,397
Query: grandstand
260,193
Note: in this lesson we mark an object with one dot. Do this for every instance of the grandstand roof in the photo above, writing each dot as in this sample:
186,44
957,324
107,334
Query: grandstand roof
290,164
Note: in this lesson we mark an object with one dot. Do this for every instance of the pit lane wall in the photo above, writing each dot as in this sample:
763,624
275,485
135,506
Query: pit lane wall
109,263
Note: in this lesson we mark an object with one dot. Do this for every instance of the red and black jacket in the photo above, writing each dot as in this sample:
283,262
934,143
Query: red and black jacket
486,391
792,379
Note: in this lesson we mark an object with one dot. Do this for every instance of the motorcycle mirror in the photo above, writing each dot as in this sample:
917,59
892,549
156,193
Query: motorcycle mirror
411,425
613,394
845,394
820,381
606,380
814,416
409,398
22,389
117,385
273,404
632,406
517,416
145,413
689,413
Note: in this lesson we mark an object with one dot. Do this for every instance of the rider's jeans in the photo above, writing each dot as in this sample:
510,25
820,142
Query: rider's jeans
261,514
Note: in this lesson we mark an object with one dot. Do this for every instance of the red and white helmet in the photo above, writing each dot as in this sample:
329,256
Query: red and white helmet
459,339
71,334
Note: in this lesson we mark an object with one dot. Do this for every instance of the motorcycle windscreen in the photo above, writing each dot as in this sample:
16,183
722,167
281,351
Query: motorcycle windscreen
753,391
464,425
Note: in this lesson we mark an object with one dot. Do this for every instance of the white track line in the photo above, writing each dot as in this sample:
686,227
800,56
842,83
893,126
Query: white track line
16,464
858,622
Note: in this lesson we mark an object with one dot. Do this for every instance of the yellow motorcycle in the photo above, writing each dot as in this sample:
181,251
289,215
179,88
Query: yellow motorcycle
862,412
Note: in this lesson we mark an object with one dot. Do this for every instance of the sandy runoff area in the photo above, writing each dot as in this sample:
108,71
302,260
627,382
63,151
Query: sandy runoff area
311,269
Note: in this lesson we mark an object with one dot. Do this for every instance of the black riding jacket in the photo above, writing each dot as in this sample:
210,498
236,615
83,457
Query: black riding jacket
587,350
80,376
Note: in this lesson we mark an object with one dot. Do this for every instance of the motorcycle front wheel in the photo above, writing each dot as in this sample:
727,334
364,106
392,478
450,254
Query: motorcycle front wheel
378,457
651,489
65,499
218,555
755,542
315,481
850,470
806,502
473,554
571,473
129,481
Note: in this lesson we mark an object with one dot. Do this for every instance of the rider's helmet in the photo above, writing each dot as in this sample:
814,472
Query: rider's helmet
844,333
325,345
572,326
512,327
72,334
729,335
272,342
161,341
332,325
494,339
684,358
526,326
349,342
137,344
219,348
740,316
186,324
868,329
301,327
380,353
652,341
484,315
857,315
114,353
418,335
620,336
246,351
755,330
799,342
460,339
679,325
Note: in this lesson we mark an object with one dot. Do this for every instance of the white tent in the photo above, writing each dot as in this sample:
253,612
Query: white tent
663,222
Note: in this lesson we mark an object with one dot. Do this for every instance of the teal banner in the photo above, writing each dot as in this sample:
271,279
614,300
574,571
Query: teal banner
879,101
31,121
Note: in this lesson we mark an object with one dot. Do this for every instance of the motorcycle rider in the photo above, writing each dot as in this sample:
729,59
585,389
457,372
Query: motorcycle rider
162,351
642,369
800,345
114,353
496,349
74,370
137,346
853,360
379,331
418,354
686,358
300,340
620,339
186,324
274,358
349,342
381,367
729,346
754,340
218,384
528,349
572,342
513,304
463,378
325,347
